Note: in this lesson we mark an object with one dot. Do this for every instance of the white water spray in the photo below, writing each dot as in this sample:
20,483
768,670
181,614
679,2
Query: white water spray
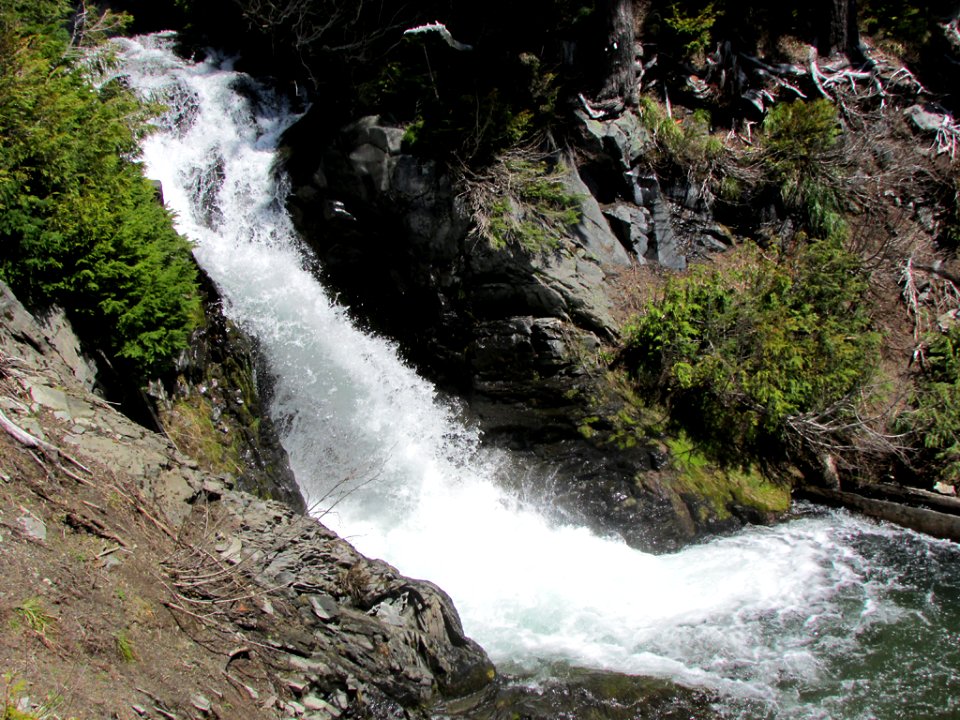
761,617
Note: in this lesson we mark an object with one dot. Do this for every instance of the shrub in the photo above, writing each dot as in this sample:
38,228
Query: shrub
125,649
32,612
906,21
691,27
737,354
800,144
934,420
79,224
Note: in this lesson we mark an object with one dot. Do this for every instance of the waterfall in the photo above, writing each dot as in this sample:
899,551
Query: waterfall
824,616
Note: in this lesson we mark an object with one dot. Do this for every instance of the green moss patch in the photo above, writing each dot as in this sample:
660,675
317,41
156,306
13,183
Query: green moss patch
722,487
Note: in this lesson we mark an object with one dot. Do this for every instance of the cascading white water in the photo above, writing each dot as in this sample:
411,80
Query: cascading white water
798,620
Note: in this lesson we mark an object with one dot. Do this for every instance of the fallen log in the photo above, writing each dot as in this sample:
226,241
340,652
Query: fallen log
944,525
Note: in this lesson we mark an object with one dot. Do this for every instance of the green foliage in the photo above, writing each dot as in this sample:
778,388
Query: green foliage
667,133
737,353
190,425
685,146
523,202
13,700
33,614
124,647
798,134
904,21
12,692
478,126
540,85
692,26
934,421
722,487
79,224
458,98
799,144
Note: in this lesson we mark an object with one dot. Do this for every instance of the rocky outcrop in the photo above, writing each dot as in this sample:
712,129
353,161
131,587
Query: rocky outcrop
361,628
336,634
394,240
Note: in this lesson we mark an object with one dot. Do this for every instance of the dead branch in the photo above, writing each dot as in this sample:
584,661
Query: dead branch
23,437
50,451
91,26
842,433
948,134
251,693
741,76
346,487
159,705
137,504
442,30
94,527
940,293
911,296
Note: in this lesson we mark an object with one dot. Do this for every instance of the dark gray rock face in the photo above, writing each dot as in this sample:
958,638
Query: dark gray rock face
394,239
632,225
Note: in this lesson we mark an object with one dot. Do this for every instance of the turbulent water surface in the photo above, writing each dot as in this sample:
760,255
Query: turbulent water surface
824,616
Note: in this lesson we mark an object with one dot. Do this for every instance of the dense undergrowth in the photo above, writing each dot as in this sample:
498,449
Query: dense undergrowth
80,226
935,414
776,353
741,353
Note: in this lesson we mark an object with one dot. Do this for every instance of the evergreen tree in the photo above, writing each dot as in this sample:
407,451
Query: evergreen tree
80,226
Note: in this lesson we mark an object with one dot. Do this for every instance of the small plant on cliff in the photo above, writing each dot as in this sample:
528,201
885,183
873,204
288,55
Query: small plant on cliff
124,647
742,356
33,614
12,693
522,201
690,27
686,148
16,703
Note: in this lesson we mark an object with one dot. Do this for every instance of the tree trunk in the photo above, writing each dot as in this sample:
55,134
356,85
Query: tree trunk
837,27
621,79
